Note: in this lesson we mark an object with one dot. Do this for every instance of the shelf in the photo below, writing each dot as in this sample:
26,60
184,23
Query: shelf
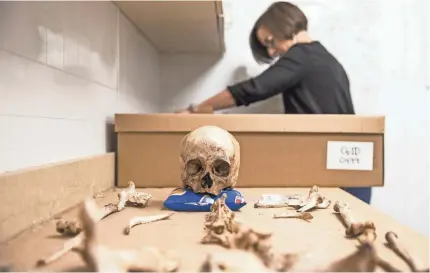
179,26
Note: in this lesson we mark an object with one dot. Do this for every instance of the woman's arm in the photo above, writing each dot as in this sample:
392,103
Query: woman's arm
278,78
220,101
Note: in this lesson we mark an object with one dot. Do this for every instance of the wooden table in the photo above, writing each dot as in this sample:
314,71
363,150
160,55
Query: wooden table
324,235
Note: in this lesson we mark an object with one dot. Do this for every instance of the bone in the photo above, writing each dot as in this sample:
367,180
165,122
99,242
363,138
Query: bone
233,261
145,220
68,228
127,196
100,258
224,229
277,201
314,200
365,259
209,160
76,241
386,266
260,258
130,196
67,246
362,260
364,231
294,214
219,223
74,227
397,247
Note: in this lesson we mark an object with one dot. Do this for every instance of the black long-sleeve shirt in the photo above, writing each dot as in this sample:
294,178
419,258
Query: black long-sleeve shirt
309,78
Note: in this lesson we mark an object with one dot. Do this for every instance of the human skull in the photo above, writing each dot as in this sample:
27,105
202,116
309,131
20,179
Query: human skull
210,159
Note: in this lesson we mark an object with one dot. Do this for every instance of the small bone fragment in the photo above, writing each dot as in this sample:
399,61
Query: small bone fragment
314,200
68,228
132,197
100,258
76,241
145,220
294,214
395,244
99,195
277,201
364,231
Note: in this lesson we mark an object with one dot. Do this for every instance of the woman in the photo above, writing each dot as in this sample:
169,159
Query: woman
309,78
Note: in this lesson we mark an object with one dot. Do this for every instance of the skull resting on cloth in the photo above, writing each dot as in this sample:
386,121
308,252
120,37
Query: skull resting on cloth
210,159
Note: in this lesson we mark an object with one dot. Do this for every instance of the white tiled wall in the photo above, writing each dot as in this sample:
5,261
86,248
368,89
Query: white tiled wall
381,43
65,69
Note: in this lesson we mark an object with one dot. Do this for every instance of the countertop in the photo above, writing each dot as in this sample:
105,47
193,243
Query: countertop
324,235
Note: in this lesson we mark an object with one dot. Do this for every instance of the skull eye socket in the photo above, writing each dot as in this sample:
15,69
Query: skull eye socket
221,168
194,166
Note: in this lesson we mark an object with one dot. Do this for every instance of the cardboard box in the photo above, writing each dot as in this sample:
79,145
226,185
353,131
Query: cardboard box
276,150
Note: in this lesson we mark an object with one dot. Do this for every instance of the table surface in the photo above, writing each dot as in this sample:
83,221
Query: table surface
324,236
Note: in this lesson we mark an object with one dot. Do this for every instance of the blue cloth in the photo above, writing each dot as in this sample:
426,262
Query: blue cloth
184,199
364,194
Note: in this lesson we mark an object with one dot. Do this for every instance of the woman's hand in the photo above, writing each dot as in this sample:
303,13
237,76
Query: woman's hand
220,101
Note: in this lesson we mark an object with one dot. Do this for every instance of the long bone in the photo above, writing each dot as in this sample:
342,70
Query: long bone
101,258
361,230
138,220
395,244
277,201
294,214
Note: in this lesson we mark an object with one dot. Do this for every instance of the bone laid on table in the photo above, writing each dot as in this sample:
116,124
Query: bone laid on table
183,232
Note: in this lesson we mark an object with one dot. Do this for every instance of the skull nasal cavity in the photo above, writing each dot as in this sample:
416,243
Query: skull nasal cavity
207,181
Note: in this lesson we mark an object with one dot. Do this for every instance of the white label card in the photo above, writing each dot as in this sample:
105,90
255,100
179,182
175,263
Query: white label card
345,155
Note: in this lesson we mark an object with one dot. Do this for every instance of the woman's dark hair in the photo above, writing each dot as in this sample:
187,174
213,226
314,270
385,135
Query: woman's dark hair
284,20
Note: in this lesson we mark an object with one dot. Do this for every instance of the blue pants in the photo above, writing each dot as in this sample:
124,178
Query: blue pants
364,194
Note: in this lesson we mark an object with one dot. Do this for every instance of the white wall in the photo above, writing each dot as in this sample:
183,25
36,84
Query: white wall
65,69
380,43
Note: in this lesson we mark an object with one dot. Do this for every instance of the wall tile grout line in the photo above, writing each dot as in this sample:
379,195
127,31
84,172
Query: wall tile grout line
55,68
59,118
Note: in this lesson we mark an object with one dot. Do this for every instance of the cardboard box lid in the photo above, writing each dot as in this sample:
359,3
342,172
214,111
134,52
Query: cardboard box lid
259,123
